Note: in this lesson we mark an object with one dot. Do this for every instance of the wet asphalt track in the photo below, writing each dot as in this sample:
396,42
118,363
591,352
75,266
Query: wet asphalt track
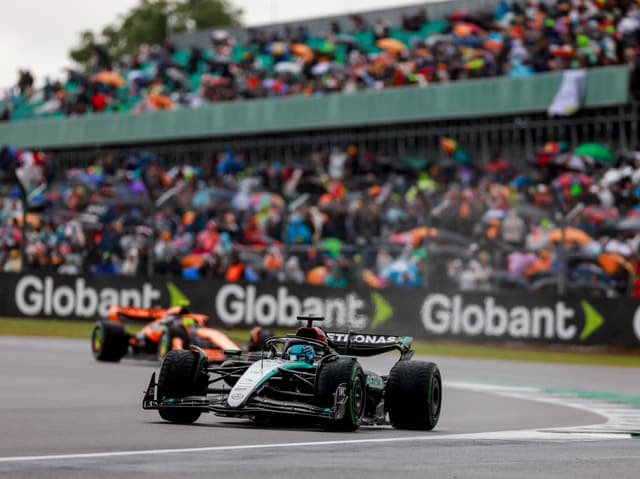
55,400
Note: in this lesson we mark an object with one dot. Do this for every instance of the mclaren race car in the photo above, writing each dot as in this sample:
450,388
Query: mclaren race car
312,374
167,329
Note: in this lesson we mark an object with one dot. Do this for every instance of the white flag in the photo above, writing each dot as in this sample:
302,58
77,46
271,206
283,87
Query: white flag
569,97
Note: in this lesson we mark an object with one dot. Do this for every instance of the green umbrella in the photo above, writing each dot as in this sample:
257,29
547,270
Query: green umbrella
415,163
333,246
597,151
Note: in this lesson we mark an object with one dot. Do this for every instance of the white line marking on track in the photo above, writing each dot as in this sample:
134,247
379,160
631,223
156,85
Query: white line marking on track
533,394
499,435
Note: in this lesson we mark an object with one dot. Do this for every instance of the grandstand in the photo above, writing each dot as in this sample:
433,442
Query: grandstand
376,165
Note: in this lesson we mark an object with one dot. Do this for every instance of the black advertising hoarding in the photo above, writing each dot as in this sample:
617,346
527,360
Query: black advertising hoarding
477,317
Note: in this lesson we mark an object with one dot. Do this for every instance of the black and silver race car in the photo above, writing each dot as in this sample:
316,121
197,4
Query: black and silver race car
312,374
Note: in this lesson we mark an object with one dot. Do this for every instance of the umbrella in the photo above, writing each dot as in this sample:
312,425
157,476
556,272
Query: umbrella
595,214
465,29
497,166
257,201
415,163
572,236
278,48
629,224
391,45
317,275
567,180
597,151
522,180
348,40
414,236
288,67
333,246
493,45
192,261
321,68
110,78
303,51
207,197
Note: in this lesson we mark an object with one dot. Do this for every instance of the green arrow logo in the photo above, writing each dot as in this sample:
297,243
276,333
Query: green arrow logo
178,298
382,310
592,320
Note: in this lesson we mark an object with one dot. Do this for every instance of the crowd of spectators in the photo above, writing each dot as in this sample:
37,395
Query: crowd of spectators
340,218
520,38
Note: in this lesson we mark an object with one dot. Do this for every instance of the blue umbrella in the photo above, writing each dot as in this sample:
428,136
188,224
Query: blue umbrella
522,180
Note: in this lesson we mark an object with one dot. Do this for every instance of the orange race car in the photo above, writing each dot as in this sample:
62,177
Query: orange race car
167,329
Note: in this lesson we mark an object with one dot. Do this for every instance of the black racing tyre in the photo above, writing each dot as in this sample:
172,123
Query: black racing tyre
181,376
166,340
109,341
342,371
413,395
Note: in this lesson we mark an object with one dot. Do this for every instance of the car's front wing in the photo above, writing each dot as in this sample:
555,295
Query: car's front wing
216,402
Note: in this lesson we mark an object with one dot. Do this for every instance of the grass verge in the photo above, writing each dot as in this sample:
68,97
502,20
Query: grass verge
82,329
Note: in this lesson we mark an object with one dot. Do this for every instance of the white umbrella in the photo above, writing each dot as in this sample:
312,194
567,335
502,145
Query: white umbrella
288,67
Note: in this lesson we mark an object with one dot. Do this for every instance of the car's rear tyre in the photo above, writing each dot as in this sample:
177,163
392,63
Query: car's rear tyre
331,375
180,376
109,341
413,395
166,340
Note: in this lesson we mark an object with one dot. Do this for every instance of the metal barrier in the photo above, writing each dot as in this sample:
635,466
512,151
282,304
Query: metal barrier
515,137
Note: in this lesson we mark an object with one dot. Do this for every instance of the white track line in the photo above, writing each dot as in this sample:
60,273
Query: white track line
558,435
500,435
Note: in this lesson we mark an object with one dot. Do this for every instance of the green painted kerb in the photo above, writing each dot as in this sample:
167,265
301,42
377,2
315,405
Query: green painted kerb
601,395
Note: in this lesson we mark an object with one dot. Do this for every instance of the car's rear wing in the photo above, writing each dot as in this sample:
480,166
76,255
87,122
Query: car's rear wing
363,344
120,313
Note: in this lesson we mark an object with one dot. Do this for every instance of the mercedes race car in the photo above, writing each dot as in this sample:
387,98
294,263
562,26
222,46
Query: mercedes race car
167,329
311,374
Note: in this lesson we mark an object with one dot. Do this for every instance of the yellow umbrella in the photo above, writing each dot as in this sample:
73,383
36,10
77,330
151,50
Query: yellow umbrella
110,78
391,45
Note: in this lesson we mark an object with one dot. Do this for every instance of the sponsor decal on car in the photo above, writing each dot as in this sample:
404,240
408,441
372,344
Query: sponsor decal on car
362,338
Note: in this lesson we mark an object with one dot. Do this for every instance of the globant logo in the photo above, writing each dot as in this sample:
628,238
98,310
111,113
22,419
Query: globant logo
36,296
444,315
241,305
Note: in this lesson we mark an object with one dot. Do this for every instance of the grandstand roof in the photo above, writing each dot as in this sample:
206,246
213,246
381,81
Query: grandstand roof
435,9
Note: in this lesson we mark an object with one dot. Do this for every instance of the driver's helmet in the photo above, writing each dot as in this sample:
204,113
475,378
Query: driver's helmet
302,352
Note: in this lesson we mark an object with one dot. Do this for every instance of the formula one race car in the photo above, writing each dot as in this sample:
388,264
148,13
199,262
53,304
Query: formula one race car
312,374
168,329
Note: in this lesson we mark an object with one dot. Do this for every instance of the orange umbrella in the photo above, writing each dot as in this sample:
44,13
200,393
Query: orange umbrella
317,276
371,279
161,102
414,236
466,29
611,262
192,261
572,235
493,45
110,78
303,51
391,45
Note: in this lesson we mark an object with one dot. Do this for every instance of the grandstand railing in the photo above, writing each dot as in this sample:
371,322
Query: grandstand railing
280,122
